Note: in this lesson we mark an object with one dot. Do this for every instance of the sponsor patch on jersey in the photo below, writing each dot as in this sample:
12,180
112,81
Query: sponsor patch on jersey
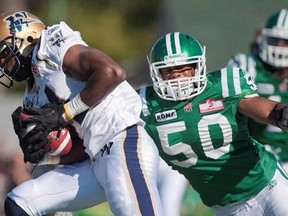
165,116
211,105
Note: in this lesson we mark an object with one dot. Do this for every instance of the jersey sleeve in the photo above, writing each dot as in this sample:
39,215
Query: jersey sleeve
55,41
235,82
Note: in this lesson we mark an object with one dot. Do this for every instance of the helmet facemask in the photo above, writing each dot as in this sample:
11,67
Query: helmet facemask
10,66
20,32
179,89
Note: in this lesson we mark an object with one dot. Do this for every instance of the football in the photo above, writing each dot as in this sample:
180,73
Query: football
59,140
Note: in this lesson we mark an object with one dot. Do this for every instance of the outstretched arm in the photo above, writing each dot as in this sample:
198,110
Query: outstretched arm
262,110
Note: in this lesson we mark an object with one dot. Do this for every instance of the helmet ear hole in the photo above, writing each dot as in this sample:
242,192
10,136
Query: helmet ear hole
30,39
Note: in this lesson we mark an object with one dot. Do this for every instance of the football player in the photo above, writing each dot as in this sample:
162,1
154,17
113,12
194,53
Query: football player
268,64
199,122
70,83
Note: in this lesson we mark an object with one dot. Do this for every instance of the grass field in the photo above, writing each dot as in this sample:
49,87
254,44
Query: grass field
191,205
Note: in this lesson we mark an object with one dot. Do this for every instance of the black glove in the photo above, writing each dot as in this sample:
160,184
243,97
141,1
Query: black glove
33,147
16,120
280,114
47,119
34,151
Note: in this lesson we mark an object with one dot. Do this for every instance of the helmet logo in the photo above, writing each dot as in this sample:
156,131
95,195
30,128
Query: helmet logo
17,20
169,59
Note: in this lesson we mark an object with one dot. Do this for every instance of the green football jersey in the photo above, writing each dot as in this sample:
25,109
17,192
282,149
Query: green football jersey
207,140
271,87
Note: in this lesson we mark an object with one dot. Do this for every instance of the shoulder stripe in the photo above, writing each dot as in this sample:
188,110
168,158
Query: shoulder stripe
142,94
236,81
230,82
224,83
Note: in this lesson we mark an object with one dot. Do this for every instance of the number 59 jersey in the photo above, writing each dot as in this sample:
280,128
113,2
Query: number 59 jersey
207,139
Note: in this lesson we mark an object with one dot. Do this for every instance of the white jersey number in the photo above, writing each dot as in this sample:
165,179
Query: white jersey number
205,139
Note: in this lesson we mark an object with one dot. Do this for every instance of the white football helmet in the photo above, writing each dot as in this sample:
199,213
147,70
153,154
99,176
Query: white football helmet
273,41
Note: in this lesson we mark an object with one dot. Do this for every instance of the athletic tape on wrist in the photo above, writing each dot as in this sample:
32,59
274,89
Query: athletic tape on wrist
50,159
75,107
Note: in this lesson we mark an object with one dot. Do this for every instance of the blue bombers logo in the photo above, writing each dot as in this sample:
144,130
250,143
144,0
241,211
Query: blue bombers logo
19,20
56,36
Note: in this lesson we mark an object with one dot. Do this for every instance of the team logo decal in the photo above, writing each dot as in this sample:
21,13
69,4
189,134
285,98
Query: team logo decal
18,20
211,105
56,36
188,107
166,115
283,86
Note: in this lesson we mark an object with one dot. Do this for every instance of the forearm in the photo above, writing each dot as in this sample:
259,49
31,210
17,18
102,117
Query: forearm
76,154
258,108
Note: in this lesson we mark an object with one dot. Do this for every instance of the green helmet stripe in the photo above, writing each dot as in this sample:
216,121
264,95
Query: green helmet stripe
283,19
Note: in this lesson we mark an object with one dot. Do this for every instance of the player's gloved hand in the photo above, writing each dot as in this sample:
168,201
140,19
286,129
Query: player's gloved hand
33,147
280,114
16,120
34,152
48,118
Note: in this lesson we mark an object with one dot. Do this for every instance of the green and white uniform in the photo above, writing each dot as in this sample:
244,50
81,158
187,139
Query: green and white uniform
208,141
269,86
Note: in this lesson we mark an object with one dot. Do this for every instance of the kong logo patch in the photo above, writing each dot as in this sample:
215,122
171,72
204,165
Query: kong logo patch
211,105
166,115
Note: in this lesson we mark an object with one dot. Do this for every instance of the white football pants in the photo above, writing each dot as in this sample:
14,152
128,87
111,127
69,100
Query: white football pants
124,173
271,201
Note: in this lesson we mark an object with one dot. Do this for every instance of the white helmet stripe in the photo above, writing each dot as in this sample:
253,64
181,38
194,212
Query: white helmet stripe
286,20
168,44
283,19
177,43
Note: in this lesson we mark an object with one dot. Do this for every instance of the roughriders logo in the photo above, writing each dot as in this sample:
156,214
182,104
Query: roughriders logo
56,36
18,20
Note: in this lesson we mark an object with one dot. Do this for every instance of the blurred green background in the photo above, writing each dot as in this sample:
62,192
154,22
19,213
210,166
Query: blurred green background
126,29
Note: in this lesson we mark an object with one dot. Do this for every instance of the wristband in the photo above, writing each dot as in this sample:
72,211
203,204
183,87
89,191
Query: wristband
74,107
50,159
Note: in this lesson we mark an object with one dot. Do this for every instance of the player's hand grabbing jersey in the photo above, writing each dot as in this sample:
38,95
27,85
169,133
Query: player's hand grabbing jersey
206,138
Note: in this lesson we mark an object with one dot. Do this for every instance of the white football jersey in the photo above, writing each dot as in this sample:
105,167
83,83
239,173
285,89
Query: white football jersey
118,111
